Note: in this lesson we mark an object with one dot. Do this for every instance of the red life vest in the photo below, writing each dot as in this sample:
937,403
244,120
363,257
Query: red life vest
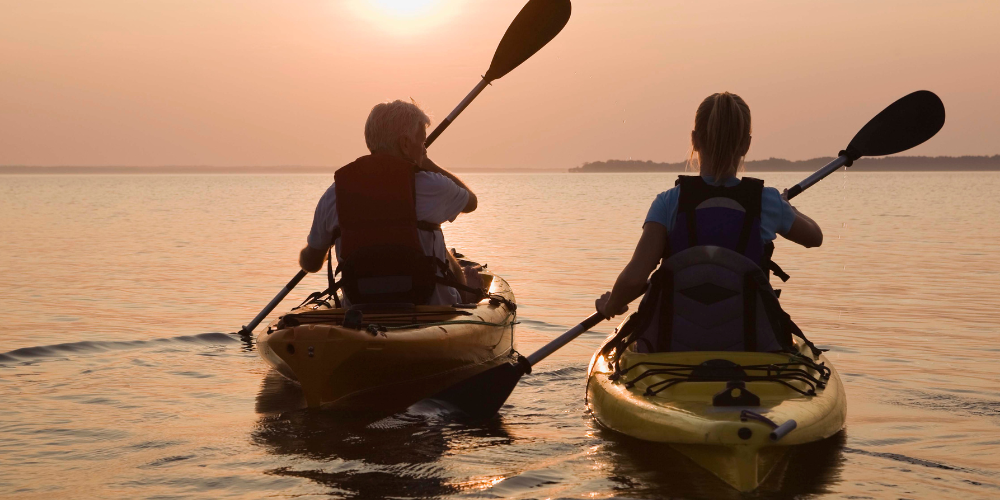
381,257
377,204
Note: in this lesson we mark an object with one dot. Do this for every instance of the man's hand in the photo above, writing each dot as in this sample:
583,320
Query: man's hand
311,259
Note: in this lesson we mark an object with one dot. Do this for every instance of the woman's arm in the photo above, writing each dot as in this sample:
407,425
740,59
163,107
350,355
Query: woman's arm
631,283
804,231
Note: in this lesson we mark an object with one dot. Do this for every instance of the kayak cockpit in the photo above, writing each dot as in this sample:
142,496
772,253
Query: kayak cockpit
383,357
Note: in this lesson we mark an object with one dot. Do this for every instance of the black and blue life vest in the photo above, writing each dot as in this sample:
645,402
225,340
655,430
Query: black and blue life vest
711,290
727,217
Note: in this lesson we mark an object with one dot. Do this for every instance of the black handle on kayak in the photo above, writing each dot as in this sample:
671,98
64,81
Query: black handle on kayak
783,430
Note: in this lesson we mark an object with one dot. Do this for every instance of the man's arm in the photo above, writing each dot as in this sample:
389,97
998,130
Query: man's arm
311,260
429,166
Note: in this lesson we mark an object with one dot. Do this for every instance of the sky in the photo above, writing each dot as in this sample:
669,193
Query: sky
279,82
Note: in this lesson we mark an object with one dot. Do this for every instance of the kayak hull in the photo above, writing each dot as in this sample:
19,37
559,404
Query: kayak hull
741,453
396,357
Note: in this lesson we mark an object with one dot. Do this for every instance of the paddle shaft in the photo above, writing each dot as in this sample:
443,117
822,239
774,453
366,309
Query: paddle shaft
455,112
565,338
817,176
248,329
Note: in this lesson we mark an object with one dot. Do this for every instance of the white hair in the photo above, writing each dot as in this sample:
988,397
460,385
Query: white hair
388,121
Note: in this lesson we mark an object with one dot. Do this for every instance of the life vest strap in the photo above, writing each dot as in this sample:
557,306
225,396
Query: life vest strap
788,327
448,280
776,269
421,225
750,289
770,265
666,290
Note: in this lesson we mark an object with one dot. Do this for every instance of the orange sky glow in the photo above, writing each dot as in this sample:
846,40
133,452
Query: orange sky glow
256,82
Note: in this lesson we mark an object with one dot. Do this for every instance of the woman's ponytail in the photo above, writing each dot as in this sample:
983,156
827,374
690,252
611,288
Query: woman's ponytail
721,134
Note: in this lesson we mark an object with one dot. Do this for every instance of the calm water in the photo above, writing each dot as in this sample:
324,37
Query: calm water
112,382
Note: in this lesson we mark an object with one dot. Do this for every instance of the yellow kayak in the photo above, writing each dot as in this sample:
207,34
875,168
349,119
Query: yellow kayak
384,359
735,421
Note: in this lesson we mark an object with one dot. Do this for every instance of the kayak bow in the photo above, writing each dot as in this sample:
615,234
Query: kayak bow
733,413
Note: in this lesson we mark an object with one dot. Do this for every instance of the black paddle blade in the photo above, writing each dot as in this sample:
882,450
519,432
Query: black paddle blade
538,22
906,123
482,396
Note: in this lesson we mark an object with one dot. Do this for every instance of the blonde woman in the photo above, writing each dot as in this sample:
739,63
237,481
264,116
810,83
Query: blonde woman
688,307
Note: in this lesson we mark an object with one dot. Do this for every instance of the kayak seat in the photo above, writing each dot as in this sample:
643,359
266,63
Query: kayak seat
710,298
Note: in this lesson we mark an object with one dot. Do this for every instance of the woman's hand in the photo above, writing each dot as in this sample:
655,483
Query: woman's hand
602,306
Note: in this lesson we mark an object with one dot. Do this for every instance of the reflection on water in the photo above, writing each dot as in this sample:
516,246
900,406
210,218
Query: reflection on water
373,458
401,455
641,469
109,389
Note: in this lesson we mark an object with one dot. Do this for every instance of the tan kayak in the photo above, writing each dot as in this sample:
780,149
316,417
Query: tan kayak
389,358
734,413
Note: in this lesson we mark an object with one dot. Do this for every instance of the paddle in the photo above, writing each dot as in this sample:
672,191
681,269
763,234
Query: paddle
538,22
906,123
482,396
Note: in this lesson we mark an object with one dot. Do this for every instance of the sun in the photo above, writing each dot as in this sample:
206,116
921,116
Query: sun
405,17
403,8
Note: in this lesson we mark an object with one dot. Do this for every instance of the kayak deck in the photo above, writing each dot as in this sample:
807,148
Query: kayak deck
393,357
651,397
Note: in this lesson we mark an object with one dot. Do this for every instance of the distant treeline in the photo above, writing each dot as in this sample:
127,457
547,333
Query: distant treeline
886,164
187,170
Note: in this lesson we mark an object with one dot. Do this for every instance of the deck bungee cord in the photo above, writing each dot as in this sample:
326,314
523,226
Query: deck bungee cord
782,373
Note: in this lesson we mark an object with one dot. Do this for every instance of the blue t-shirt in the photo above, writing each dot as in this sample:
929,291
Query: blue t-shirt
776,215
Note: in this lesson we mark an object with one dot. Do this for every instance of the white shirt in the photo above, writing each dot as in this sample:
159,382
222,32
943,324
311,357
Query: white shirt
438,200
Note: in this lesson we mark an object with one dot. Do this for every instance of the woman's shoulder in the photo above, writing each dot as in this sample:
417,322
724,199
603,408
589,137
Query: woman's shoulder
673,191
770,194
667,197
664,207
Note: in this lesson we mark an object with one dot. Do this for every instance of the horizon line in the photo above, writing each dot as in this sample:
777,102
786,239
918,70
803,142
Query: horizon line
291,169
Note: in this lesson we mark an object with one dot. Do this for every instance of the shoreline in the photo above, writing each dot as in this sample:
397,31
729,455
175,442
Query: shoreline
189,170
884,164
777,165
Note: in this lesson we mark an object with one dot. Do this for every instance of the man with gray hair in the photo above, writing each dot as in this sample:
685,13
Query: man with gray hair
383,214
